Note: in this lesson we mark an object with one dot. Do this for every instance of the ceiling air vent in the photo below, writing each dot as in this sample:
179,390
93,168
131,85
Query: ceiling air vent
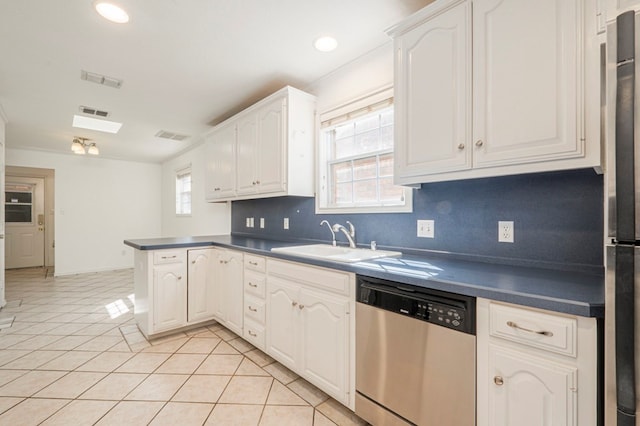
101,79
170,135
93,111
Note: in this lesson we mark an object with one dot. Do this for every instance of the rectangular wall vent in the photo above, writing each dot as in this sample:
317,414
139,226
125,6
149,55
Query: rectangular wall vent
170,135
101,79
93,111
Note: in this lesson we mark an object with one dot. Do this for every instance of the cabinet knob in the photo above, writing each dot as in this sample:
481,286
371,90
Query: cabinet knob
301,307
498,380
179,278
193,262
294,303
257,182
461,146
479,143
216,189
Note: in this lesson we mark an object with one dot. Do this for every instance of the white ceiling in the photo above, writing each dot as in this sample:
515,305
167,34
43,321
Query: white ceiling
186,64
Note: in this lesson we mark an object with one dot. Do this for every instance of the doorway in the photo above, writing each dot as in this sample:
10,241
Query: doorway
29,218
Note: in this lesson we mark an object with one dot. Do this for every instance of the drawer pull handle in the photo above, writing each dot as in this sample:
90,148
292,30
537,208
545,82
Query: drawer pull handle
251,333
253,263
252,309
517,327
498,380
169,257
253,285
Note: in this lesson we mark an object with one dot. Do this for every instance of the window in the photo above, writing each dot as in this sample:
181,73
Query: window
183,191
356,162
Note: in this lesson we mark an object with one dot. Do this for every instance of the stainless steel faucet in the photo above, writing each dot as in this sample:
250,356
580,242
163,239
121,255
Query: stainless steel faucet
350,234
333,234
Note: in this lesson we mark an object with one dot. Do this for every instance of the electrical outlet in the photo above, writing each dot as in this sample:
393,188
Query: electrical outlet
505,231
262,223
247,223
426,228
285,223
251,223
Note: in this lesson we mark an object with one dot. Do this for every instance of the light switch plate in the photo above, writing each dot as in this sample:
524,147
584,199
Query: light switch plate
426,228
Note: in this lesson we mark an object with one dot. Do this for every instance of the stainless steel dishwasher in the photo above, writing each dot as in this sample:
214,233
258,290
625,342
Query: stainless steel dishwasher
415,355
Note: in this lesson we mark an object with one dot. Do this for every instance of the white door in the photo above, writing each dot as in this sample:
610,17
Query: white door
200,291
527,391
270,136
433,120
25,222
525,85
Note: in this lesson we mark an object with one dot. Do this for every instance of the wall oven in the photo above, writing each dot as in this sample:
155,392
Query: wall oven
415,355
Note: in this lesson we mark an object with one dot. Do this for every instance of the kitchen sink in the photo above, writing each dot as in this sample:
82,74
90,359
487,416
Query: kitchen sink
335,253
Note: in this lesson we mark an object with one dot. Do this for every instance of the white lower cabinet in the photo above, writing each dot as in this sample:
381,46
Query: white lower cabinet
310,325
200,306
255,281
535,367
169,301
228,292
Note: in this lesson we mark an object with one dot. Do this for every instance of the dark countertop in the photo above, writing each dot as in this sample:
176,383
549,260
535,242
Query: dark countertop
576,293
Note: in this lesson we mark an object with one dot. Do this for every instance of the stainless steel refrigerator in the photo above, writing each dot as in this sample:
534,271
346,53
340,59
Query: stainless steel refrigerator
622,318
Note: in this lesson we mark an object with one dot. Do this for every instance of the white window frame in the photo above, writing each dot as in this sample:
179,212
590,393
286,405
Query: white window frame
355,109
179,173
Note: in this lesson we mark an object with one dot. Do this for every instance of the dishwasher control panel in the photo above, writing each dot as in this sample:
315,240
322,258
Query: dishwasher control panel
446,309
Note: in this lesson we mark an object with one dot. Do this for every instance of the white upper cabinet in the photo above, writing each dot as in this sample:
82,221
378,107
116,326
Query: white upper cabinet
525,81
220,155
269,153
432,109
496,87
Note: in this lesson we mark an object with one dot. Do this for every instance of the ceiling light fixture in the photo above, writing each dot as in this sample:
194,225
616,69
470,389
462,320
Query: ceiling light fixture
90,123
80,146
111,12
325,44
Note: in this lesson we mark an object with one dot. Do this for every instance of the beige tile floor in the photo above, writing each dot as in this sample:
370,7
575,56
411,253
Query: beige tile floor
74,356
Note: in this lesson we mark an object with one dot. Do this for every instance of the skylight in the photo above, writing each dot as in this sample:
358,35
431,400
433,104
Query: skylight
95,124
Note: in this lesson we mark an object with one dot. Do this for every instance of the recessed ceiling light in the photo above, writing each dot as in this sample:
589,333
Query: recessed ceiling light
325,44
95,124
111,12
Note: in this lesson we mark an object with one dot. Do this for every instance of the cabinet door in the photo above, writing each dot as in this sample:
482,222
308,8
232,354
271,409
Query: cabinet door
526,81
247,153
200,290
271,137
528,391
169,296
433,95
234,291
282,319
325,342
220,160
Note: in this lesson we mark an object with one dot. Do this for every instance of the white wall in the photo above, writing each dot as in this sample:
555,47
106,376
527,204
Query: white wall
206,218
356,79
98,204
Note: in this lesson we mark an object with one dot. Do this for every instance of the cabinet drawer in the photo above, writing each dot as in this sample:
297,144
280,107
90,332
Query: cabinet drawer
168,256
256,263
254,283
325,279
254,334
254,309
541,330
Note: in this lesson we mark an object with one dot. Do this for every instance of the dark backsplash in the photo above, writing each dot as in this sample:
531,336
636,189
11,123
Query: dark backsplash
558,219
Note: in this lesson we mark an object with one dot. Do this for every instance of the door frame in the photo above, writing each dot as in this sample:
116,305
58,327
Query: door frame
49,205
